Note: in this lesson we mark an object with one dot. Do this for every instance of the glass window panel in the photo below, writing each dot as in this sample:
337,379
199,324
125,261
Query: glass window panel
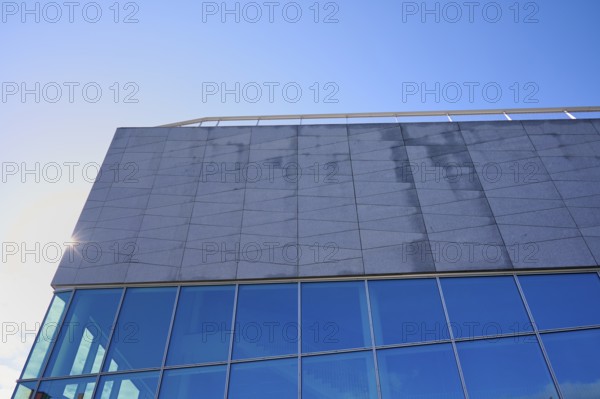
575,359
200,382
266,379
407,311
563,300
425,372
82,340
141,332
505,368
346,375
24,390
484,306
46,335
334,316
202,325
74,388
128,386
267,321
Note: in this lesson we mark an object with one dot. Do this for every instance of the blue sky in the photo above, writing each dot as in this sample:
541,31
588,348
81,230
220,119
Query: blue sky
357,56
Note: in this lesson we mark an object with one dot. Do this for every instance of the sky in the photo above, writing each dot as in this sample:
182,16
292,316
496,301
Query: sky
72,72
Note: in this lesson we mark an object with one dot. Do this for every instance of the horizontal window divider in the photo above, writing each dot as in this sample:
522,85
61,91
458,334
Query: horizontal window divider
491,273
495,337
337,351
568,329
195,365
94,375
412,344
259,359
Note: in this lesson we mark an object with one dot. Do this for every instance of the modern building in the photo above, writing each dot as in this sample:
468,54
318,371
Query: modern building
352,260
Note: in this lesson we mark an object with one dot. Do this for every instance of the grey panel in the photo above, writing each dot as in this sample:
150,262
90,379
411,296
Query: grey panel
205,203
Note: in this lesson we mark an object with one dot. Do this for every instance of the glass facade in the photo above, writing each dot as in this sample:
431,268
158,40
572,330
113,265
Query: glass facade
424,371
527,336
202,323
47,335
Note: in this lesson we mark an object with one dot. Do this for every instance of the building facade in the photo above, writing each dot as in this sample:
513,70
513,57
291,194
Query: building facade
419,260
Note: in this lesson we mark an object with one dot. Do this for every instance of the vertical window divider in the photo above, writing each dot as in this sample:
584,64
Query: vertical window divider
109,341
231,339
372,329
451,333
52,344
538,336
299,287
168,342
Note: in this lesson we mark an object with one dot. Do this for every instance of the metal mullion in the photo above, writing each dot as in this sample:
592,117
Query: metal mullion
52,344
109,341
372,329
299,327
539,337
230,354
454,348
168,342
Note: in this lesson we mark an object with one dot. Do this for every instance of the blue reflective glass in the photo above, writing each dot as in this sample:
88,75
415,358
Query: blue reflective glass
266,323
484,306
334,316
199,382
575,359
46,336
407,311
346,375
266,379
141,332
74,388
505,368
202,328
128,386
83,337
427,372
24,390
563,300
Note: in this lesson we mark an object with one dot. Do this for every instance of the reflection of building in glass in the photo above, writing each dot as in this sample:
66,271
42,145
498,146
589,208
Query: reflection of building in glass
329,261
